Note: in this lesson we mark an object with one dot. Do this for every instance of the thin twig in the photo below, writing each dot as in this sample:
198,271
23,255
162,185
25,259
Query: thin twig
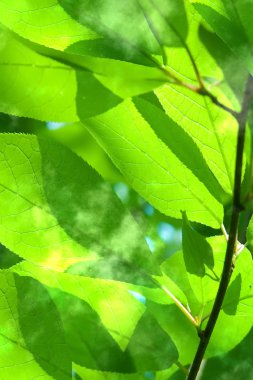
214,99
178,81
232,240
181,307
199,90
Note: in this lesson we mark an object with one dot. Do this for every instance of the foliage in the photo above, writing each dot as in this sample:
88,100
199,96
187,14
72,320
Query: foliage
123,120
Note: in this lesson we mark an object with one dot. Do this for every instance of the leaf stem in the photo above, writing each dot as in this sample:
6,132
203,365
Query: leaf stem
181,307
232,239
182,368
201,90
224,231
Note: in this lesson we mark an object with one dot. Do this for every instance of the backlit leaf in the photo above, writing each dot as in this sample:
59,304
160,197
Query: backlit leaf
150,167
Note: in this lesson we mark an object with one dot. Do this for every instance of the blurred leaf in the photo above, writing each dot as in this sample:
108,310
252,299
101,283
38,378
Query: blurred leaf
234,72
168,20
31,335
178,327
114,304
150,348
90,344
28,227
55,208
110,299
133,32
89,211
86,373
237,364
231,22
41,328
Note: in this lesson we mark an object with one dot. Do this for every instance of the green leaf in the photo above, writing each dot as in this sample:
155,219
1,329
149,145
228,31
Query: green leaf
131,33
35,305
93,97
85,373
193,62
150,167
239,298
91,344
57,211
235,319
224,366
134,32
178,327
77,138
34,86
198,281
183,61
31,334
113,80
113,302
235,75
28,227
196,250
176,280
205,287
151,349
44,22
230,21
168,19
212,129
233,296
94,348
7,258
119,26
106,48
124,79
175,137
89,211
110,299
250,234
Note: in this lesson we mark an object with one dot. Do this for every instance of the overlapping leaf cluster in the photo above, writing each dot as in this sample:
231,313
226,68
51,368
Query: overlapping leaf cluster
84,297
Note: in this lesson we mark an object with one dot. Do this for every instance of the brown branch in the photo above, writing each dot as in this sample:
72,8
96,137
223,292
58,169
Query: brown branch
232,239
203,91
